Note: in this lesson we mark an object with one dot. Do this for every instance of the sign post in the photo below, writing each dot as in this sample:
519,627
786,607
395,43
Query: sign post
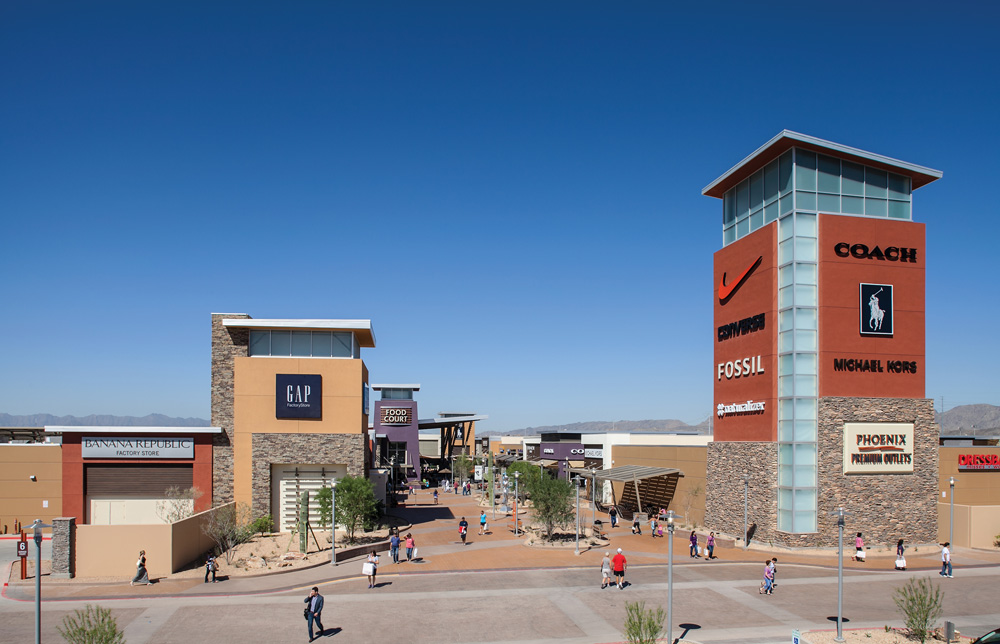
22,552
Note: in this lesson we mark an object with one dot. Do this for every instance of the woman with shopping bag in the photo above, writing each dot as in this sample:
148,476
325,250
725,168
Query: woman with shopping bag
900,559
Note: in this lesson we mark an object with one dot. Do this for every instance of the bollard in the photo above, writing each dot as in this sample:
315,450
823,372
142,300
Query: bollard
949,631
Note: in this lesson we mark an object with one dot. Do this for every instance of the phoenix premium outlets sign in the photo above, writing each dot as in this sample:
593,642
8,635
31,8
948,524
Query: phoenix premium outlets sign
135,447
878,448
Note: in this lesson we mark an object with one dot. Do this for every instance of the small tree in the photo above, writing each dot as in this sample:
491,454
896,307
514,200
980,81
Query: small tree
643,626
530,476
690,499
463,465
921,604
229,526
178,504
552,500
92,625
355,504
324,499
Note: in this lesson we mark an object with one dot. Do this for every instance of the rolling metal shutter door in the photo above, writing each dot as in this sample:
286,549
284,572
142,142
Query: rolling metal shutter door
137,481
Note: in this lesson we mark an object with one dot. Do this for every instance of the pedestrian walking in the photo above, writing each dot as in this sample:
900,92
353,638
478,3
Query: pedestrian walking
435,497
370,568
409,543
314,612
636,525
482,522
946,559
693,539
652,527
141,574
859,548
710,546
900,559
619,565
463,528
210,568
394,547
774,573
613,513
606,571
766,587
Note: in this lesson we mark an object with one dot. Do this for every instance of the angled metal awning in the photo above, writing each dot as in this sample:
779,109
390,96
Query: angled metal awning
651,487
628,473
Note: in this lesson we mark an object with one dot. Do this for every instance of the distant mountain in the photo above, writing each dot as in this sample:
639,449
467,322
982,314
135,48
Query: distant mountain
102,420
601,426
970,419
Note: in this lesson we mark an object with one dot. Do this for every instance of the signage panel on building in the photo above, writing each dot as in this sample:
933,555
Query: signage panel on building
590,452
136,447
396,416
298,396
875,309
978,462
878,448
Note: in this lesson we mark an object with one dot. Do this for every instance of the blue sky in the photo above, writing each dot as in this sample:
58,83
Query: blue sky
511,192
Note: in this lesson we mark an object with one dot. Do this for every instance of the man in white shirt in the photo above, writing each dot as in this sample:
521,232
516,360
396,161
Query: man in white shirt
946,560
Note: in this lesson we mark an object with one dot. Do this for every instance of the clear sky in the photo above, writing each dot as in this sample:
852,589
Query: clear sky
510,191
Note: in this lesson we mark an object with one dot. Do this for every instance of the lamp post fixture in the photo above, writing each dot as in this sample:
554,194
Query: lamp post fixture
951,519
577,480
37,528
671,515
840,514
517,477
593,494
746,495
333,520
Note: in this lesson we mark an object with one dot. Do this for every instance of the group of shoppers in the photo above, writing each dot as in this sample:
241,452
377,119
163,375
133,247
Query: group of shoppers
407,542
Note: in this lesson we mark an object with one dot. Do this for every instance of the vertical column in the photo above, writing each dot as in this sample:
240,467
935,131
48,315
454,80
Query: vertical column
63,547
227,344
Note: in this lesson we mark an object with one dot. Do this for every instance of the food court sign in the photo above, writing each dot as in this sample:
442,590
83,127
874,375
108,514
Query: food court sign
120,447
878,448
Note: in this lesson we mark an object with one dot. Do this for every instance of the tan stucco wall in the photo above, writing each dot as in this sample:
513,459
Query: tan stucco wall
689,459
253,391
22,499
972,487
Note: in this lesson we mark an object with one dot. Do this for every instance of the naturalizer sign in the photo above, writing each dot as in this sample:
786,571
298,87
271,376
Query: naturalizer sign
135,447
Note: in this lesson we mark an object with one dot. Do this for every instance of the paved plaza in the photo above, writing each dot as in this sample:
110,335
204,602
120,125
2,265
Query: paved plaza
496,590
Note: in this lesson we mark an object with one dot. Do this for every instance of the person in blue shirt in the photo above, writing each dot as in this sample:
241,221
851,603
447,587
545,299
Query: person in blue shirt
394,547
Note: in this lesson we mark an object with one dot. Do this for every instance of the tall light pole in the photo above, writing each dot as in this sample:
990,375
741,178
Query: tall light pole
746,495
593,494
671,515
333,521
517,476
37,527
577,480
840,514
951,520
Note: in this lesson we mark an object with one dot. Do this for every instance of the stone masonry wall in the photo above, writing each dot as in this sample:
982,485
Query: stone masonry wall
726,463
63,547
227,344
308,449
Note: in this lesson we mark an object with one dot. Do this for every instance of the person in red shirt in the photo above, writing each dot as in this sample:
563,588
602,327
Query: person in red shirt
618,564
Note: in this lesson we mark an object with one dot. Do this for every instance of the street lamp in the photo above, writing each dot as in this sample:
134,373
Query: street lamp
951,520
840,514
593,493
517,476
746,494
577,480
671,515
37,527
333,521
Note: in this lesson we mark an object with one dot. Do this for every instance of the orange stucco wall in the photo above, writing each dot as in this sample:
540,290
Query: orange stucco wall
689,459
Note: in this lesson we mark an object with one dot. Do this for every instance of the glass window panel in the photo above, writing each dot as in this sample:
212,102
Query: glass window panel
742,228
805,200
785,454
785,276
785,520
770,212
828,179
729,235
805,431
322,344
805,454
804,475
786,409
260,343
805,225
301,343
805,273
786,321
785,498
805,363
828,203
786,204
805,170
771,181
785,385
899,209
785,172
785,339
803,522
785,250
343,345
805,295
785,431
805,385
785,298
757,190
805,250
281,343
805,408
805,500
805,340
743,200
756,220
876,182
853,178
785,229
785,475
899,187
852,205
728,209
805,318
786,365
875,207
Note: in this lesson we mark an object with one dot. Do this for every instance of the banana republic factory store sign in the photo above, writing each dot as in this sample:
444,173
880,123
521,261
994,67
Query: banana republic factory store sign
119,447
878,448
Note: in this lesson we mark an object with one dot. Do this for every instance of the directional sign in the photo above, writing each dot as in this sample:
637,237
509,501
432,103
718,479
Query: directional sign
795,636
22,548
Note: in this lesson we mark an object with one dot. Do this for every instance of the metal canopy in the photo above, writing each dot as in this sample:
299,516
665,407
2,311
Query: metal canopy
629,473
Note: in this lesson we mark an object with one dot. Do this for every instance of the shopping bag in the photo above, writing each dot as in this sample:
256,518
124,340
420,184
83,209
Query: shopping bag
901,563
414,553
367,568
860,555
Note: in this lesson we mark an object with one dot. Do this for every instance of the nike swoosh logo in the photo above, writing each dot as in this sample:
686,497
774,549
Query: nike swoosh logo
726,292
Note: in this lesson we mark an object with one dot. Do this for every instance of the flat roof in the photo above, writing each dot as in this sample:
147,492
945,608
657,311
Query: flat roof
786,139
413,387
361,328
119,429
431,423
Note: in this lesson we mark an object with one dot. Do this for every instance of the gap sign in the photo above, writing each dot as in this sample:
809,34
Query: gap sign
298,396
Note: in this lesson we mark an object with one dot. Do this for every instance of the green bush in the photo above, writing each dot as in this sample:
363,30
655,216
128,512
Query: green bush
92,625
643,626
920,601
324,499
263,524
356,505
552,500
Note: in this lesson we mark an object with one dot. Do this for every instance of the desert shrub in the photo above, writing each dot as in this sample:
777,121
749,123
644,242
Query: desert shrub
643,626
229,526
263,525
92,625
920,601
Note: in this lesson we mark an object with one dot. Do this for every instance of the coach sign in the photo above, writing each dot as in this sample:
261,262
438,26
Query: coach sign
121,447
298,396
